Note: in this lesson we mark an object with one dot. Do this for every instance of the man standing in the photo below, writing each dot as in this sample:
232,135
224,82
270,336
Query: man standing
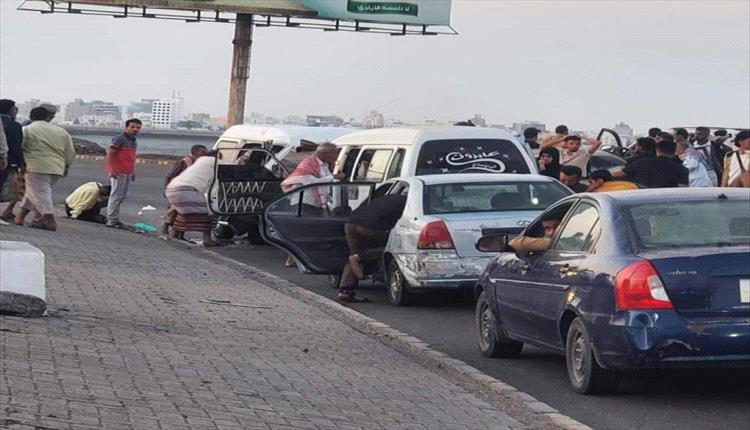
14,156
529,136
572,155
663,171
697,174
313,169
120,166
570,176
711,155
654,133
49,152
555,140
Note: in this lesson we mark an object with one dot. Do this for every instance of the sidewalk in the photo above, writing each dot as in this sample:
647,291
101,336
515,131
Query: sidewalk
129,344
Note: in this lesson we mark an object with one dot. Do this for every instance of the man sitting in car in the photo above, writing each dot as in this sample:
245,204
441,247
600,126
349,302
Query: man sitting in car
525,245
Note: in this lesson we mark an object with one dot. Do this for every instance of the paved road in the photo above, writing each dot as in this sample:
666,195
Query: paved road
684,399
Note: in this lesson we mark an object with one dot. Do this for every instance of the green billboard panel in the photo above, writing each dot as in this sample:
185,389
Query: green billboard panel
418,12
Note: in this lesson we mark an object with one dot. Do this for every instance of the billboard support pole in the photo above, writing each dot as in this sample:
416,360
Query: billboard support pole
243,41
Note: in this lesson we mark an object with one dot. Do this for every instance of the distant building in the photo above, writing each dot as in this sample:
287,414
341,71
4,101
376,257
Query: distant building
374,120
144,105
625,131
293,120
324,121
97,113
478,121
520,127
25,108
165,113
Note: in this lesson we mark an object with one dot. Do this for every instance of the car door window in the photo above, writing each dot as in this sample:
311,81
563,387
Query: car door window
399,189
349,160
372,165
580,231
321,201
394,170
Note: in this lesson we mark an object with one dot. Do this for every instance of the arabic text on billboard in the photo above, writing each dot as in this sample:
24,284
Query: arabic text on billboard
419,12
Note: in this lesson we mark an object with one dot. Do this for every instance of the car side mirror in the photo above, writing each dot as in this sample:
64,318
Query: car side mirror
493,243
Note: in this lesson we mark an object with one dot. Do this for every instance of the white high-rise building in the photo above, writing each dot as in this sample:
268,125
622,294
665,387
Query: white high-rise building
166,112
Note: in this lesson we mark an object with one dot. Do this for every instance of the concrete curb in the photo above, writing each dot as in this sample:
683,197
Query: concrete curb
407,344
137,160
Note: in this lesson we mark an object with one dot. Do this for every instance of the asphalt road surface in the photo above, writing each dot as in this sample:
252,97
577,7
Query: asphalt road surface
676,399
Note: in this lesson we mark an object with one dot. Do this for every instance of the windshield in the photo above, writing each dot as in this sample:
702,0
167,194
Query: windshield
470,156
492,197
691,224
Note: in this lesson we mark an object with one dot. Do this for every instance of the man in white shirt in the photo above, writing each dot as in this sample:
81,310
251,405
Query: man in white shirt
573,155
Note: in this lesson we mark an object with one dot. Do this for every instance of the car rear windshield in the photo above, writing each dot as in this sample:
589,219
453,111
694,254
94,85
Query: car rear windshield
491,197
691,224
470,156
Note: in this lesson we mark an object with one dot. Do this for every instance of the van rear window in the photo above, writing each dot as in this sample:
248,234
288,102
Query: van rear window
470,156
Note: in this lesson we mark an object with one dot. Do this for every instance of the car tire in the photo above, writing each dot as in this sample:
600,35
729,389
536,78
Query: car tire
254,237
397,289
491,339
585,374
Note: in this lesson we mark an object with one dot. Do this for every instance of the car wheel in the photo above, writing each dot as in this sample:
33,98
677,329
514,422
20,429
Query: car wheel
254,237
397,289
585,374
223,231
491,340
334,281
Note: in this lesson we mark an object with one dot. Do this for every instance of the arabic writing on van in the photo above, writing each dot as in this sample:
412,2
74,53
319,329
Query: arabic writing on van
479,161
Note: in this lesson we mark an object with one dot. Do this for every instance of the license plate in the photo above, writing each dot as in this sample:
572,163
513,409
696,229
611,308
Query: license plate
744,290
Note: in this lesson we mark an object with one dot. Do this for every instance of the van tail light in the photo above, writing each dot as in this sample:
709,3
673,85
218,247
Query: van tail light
638,287
435,235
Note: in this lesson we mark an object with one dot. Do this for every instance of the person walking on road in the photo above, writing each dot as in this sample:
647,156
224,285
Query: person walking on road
48,151
196,151
187,195
120,166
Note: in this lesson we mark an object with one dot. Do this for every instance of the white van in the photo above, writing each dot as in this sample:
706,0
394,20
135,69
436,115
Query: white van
381,154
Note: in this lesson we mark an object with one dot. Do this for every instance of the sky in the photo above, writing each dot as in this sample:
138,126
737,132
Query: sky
587,64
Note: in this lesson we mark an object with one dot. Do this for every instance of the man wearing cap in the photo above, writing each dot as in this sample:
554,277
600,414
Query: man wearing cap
737,163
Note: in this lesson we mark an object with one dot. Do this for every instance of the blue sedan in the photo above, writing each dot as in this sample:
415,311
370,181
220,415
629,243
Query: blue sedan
630,279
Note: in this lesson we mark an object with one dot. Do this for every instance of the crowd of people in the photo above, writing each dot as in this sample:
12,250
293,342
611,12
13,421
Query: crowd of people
661,160
36,154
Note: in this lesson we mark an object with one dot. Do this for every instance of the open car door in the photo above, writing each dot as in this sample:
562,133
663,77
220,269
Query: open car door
611,142
245,181
308,223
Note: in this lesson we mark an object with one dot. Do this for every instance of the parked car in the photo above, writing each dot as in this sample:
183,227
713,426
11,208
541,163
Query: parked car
632,279
432,245
381,154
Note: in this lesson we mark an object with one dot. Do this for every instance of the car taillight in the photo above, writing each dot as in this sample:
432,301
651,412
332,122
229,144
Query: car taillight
638,287
435,235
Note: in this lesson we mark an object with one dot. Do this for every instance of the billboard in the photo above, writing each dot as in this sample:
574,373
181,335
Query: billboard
418,12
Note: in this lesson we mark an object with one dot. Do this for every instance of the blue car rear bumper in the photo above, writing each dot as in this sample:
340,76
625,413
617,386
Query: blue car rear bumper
647,339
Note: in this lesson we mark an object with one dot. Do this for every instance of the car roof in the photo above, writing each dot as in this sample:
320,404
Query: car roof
464,178
257,133
661,195
410,135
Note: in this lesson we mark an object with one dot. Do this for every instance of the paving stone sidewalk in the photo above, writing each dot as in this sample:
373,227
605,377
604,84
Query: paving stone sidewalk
129,344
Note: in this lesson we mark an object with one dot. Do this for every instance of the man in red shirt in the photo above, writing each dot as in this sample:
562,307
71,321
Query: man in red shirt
120,166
